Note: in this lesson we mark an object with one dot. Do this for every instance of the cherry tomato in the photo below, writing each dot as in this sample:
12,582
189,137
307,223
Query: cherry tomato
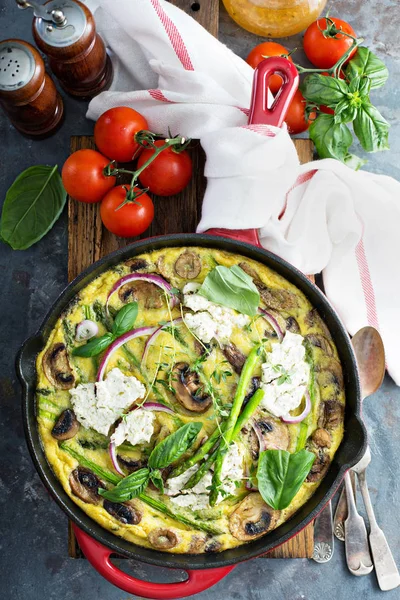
83,176
295,117
324,52
168,174
114,132
268,49
130,220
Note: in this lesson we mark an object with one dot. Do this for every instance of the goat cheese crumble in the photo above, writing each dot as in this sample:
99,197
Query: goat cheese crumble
98,405
197,497
285,376
210,320
136,427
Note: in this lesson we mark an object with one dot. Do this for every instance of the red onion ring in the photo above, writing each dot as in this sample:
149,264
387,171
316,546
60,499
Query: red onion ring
120,342
273,322
156,406
86,329
156,279
114,459
155,335
306,411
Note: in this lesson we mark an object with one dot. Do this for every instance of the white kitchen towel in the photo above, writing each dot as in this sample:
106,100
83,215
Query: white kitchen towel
319,216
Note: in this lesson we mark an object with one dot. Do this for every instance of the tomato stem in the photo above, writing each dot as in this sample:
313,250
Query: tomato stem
337,66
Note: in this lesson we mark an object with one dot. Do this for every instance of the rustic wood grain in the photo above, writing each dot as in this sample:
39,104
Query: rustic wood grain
88,240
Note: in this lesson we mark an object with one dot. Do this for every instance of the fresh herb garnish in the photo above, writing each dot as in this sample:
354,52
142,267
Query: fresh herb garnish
349,99
173,446
231,287
123,322
280,475
33,204
129,487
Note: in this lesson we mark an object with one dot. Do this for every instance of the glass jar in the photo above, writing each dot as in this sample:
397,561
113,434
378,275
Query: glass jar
274,18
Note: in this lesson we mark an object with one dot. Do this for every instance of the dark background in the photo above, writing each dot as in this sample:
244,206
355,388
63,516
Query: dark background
34,563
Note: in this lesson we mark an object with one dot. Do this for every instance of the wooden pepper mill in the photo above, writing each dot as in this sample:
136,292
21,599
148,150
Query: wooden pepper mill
27,94
65,31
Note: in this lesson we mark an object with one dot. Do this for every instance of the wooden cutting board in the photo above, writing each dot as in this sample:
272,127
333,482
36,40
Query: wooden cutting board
88,241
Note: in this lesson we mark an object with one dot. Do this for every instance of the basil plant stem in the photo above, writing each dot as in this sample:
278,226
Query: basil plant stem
231,421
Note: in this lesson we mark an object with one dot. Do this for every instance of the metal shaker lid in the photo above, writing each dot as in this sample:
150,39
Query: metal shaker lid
17,65
72,23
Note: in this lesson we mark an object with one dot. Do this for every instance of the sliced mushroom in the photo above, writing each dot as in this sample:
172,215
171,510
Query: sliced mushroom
331,414
197,544
137,264
275,298
163,539
144,292
322,438
320,341
253,387
292,325
85,484
56,367
126,513
131,464
275,433
188,265
234,356
320,466
329,374
66,425
212,546
188,389
252,518
313,319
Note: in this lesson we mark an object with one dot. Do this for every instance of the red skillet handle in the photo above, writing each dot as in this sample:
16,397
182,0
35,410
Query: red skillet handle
99,556
260,113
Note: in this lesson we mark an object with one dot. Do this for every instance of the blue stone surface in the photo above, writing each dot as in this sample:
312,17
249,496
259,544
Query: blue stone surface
34,563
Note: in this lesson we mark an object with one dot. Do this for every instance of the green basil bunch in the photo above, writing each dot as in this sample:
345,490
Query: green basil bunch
164,454
349,98
123,322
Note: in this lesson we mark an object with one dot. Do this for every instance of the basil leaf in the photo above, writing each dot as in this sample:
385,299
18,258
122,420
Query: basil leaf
94,347
129,487
320,89
371,128
366,64
344,112
125,319
33,204
173,446
231,287
354,162
157,480
281,474
332,140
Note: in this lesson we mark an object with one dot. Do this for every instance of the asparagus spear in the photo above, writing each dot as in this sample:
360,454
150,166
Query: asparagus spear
198,456
157,504
242,419
231,421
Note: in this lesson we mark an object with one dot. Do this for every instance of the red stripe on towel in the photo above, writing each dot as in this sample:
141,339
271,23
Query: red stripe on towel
158,95
261,129
174,36
366,283
299,181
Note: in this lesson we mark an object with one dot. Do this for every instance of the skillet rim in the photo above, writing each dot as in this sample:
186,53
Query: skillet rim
349,452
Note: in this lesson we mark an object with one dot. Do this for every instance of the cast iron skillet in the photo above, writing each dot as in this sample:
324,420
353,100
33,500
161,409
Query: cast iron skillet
203,570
